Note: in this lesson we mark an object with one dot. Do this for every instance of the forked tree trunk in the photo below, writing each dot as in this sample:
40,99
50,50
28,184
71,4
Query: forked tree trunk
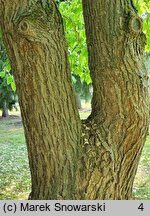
70,159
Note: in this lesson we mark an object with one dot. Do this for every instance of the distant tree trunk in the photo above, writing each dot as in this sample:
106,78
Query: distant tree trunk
5,110
70,159
78,101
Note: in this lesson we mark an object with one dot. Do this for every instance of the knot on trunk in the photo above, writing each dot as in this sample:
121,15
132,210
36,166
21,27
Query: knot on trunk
23,26
28,29
135,25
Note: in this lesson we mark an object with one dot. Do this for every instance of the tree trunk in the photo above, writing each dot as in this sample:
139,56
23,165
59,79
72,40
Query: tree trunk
36,46
70,159
5,110
78,101
118,124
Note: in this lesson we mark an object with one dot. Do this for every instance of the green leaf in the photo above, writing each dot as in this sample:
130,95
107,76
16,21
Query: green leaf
9,79
8,67
75,34
2,74
13,86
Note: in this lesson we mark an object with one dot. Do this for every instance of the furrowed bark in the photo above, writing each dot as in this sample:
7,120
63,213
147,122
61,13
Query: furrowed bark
116,130
99,160
33,34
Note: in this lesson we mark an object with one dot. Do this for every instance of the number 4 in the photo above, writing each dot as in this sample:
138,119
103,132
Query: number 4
141,207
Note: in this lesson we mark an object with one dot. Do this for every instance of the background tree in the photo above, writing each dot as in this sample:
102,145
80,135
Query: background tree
72,159
143,8
82,89
8,96
75,34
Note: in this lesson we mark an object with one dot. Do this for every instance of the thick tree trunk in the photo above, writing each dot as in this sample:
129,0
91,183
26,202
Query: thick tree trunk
33,34
68,160
118,124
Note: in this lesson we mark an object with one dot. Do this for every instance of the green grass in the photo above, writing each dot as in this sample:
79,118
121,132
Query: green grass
142,180
14,169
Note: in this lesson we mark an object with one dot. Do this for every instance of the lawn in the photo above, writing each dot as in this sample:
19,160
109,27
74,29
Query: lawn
14,169
142,180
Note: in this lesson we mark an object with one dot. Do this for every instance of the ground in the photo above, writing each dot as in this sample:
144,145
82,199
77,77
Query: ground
14,169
